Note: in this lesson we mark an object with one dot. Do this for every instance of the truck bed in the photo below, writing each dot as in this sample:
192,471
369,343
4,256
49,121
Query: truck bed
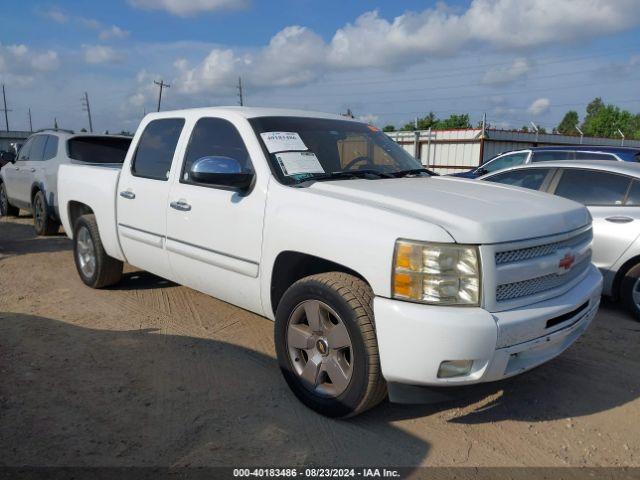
94,187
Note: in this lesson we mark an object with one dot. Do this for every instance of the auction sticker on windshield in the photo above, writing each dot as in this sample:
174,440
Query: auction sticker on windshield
295,163
282,141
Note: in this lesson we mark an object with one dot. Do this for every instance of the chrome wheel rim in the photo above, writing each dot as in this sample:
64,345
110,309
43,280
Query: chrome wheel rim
85,252
635,293
38,212
320,348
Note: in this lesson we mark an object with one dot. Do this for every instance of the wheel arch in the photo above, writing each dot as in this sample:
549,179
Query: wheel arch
617,280
290,266
75,210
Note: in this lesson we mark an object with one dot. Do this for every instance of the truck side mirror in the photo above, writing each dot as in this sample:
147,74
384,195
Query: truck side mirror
9,157
221,171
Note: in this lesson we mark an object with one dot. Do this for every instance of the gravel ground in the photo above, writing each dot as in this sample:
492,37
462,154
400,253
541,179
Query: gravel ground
149,373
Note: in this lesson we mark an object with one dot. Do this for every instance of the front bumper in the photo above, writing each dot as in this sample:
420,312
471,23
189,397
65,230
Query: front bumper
414,339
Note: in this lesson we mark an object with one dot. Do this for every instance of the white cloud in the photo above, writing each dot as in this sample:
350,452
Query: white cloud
98,54
186,8
56,15
539,106
89,23
46,61
503,75
296,55
113,32
18,50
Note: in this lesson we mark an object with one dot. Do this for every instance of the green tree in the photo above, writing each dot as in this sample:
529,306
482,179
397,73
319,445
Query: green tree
424,123
606,120
389,128
569,123
454,121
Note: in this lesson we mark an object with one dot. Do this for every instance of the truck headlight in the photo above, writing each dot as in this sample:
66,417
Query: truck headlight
436,273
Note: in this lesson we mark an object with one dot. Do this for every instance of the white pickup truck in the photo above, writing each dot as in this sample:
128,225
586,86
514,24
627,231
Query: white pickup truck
380,276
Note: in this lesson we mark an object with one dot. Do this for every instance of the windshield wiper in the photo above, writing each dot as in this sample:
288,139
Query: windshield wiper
347,175
413,171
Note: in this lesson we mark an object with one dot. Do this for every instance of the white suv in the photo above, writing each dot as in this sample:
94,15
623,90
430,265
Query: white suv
30,182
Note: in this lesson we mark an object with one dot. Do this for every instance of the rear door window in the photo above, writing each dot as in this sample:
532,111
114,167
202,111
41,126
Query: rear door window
531,178
99,149
633,197
550,156
592,187
156,148
37,148
51,148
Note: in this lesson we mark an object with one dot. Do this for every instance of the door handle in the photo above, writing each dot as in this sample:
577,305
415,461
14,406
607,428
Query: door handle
16,168
129,195
180,205
619,219
32,169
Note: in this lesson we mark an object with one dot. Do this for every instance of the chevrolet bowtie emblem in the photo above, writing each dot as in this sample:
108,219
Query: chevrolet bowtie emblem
567,261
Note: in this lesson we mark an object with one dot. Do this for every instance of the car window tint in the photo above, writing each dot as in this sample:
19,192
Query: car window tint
98,149
550,156
156,148
37,148
506,161
592,187
633,197
531,178
51,148
24,151
215,137
594,156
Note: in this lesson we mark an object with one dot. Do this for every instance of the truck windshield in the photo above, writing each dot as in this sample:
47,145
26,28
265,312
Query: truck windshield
301,149
99,149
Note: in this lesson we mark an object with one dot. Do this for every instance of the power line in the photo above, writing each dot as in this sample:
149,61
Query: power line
5,110
87,108
162,85
240,98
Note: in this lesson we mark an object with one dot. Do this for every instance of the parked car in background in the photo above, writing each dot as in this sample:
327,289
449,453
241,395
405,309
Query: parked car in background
31,181
378,273
545,154
6,157
611,192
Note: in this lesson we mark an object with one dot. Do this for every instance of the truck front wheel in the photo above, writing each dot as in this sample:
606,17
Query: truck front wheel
95,267
326,344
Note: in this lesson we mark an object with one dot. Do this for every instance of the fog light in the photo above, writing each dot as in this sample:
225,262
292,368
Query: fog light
454,368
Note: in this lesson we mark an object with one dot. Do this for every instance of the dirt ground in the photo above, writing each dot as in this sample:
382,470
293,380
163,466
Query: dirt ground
149,373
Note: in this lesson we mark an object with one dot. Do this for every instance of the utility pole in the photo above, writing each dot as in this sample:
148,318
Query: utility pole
30,123
87,108
5,110
162,85
240,97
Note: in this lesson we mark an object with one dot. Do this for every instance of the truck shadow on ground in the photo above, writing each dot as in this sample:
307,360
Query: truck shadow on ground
141,280
72,395
20,239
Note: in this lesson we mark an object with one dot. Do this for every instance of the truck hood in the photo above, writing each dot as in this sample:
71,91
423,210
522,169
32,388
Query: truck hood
470,211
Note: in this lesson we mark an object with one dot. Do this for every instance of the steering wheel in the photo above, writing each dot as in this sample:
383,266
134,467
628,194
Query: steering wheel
362,158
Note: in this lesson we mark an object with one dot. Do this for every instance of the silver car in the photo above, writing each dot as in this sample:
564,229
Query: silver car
30,181
611,192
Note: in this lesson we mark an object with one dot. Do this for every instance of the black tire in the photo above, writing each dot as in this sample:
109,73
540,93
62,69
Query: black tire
108,270
629,282
42,221
352,299
6,209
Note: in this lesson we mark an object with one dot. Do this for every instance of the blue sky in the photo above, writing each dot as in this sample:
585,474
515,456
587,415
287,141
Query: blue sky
515,60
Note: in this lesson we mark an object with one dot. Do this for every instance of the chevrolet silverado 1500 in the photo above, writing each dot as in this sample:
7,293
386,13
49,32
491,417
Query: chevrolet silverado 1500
381,276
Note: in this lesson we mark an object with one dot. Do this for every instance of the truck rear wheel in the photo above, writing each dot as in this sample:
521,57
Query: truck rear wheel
42,221
326,344
6,209
95,267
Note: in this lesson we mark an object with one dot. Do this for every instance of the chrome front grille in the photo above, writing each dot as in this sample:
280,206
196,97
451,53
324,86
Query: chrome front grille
510,291
531,271
519,255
